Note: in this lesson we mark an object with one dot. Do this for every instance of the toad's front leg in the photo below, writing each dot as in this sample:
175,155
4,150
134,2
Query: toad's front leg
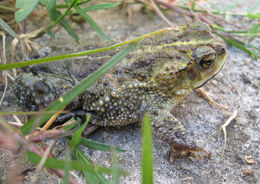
169,129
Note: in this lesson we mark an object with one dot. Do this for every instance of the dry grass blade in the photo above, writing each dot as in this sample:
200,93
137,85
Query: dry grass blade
175,8
17,123
4,72
109,76
159,12
52,119
43,160
223,128
49,134
206,96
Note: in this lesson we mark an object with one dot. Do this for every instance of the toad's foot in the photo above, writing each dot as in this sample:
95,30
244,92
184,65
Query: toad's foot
169,129
180,149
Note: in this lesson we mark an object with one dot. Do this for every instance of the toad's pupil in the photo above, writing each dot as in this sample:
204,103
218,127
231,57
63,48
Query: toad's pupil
41,87
204,63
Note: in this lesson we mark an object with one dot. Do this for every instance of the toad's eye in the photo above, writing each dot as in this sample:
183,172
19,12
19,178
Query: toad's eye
206,62
205,56
40,87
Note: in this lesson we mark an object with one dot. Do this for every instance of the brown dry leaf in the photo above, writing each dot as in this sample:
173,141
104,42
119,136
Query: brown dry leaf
248,172
249,159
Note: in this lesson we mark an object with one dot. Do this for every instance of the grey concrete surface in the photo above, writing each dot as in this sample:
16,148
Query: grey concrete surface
236,86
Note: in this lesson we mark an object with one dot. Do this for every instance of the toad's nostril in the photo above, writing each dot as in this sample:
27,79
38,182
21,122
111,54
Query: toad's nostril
222,50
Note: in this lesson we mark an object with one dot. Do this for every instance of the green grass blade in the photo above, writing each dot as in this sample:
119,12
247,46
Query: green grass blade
55,58
253,16
254,30
91,177
66,176
83,2
77,54
26,7
49,3
238,45
77,90
75,140
66,6
72,125
216,27
50,34
214,6
232,5
56,17
75,165
69,29
256,49
147,154
253,8
100,6
193,5
115,168
49,59
98,146
8,29
91,22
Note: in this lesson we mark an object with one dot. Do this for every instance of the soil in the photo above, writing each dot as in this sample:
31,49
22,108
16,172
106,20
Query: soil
237,86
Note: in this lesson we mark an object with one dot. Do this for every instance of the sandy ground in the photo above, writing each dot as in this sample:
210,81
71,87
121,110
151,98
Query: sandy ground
236,86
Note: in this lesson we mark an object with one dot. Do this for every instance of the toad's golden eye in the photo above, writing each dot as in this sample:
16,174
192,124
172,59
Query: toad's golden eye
205,56
206,62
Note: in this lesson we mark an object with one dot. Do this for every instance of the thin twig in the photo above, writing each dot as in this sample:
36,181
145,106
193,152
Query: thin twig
206,12
206,96
6,83
173,7
10,76
223,127
159,12
112,79
27,145
17,123
43,160
52,119
223,20
215,12
182,11
7,8
4,72
4,53
49,134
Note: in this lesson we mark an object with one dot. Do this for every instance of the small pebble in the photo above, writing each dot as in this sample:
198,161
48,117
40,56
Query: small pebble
241,120
253,113
246,78
214,82
5,103
255,85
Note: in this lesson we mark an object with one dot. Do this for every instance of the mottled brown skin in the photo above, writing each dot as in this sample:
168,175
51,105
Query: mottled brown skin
154,78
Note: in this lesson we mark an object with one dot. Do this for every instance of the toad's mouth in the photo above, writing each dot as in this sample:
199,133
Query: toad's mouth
200,84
